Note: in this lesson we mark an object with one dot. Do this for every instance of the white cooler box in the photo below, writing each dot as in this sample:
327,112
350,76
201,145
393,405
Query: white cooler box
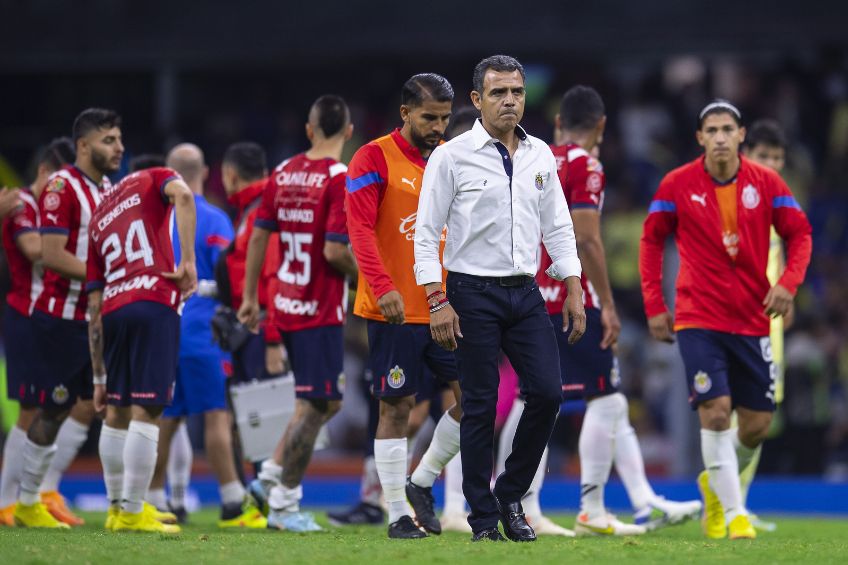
263,410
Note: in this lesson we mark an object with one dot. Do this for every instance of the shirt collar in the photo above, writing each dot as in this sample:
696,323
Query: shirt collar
482,137
410,151
243,198
85,176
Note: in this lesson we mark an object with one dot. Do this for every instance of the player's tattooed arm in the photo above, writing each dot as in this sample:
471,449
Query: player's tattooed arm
95,333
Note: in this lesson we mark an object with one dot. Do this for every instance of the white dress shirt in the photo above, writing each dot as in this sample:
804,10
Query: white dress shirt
495,223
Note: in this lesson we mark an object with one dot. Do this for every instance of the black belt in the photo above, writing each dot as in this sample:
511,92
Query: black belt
514,280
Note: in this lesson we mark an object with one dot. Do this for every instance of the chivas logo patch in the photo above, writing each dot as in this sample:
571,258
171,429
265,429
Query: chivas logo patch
396,377
750,197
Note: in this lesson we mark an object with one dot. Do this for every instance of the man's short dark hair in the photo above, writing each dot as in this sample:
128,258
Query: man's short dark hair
248,159
765,132
146,161
93,119
426,86
720,106
332,114
58,153
461,121
581,108
499,63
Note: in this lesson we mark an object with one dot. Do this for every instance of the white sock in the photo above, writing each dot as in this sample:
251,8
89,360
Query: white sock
443,447
36,461
630,466
390,457
454,498
231,493
179,466
744,454
270,472
597,447
156,497
507,435
370,488
139,464
70,438
13,466
530,501
284,499
723,468
111,448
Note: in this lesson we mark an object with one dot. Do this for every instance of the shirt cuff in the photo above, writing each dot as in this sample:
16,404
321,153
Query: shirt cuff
564,268
336,237
269,225
429,272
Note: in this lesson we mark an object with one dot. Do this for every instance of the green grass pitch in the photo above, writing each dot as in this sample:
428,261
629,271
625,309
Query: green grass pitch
808,540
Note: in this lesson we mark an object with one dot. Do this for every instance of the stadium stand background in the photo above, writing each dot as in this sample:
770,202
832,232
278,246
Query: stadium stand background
216,72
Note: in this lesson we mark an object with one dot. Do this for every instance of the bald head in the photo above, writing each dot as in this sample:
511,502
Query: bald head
187,159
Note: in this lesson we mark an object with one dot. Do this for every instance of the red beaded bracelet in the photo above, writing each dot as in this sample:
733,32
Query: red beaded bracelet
432,294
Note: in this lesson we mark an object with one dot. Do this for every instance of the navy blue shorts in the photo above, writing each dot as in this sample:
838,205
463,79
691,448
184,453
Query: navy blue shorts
724,364
64,372
401,354
20,344
587,370
317,361
141,341
249,360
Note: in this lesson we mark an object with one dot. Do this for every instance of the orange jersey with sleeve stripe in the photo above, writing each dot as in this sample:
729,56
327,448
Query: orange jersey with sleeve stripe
383,186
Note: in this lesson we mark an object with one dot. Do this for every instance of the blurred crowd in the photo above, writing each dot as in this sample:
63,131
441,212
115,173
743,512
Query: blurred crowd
652,108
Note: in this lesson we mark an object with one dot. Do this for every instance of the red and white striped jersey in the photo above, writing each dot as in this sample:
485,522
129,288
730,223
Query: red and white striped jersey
582,178
26,277
65,206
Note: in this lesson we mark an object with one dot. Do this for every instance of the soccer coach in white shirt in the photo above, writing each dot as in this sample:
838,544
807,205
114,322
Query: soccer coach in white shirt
498,191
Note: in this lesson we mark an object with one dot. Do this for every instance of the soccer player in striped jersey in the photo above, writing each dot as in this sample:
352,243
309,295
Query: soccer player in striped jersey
62,378
22,246
765,143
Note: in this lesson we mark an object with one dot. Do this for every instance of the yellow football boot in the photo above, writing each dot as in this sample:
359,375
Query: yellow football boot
57,506
713,522
142,522
36,516
741,528
7,516
250,517
164,517
111,517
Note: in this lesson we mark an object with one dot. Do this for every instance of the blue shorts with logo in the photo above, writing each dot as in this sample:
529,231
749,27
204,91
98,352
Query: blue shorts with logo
317,361
141,343
22,358
724,364
64,371
201,383
399,356
587,370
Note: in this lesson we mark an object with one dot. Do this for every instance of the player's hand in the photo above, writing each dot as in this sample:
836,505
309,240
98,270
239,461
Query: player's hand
574,316
100,399
789,317
9,200
611,325
248,314
391,305
778,301
662,327
275,359
444,327
185,276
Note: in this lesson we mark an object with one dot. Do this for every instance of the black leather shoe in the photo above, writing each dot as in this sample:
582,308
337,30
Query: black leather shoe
515,525
492,534
422,501
405,528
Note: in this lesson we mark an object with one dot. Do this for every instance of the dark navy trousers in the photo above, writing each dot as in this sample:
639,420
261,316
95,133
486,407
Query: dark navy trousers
508,314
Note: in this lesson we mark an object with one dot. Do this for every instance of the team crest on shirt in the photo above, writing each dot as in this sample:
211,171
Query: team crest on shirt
52,201
750,197
593,183
56,185
340,383
396,377
593,164
703,383
541,179
60,394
